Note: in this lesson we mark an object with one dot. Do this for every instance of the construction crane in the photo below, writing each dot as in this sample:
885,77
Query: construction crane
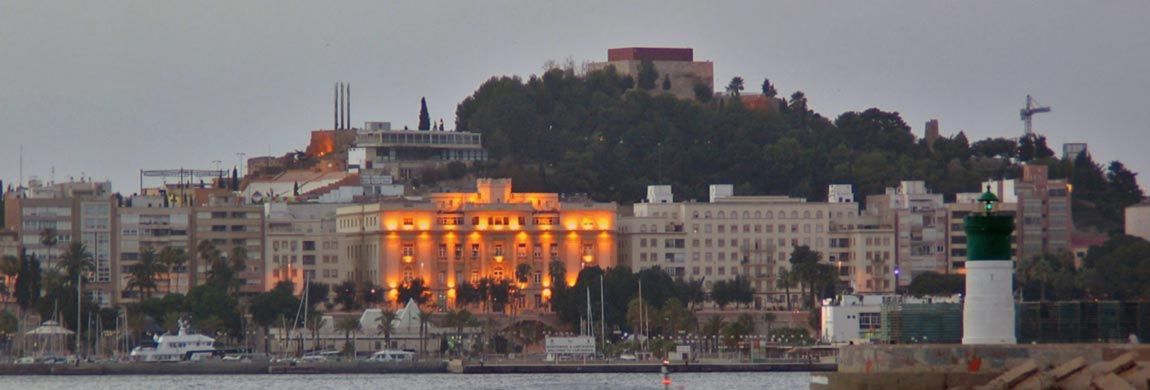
1032,107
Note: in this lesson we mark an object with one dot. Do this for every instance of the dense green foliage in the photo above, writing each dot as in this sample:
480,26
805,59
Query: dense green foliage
933,283
598,134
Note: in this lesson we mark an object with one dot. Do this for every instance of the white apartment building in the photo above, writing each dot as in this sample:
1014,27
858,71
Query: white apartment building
752,236
303,246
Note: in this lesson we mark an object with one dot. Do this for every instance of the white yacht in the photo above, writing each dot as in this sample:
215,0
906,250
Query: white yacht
175,347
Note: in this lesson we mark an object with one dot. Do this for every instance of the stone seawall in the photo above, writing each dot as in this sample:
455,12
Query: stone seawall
945,366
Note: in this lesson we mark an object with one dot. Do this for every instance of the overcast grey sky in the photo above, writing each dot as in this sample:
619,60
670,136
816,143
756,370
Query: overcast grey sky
106,88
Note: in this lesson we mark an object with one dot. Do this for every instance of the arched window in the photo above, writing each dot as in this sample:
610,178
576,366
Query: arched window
819,214
794,214
695,215
408,275
722,215
807,214
747,214
707,214
497,273
782,215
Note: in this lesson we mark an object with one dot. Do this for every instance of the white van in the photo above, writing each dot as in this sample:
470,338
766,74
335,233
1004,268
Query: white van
391,356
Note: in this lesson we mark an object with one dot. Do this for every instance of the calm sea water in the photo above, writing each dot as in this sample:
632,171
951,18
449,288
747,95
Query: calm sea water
709,381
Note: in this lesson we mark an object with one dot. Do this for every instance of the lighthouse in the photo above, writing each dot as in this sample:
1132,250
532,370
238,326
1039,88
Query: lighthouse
988,308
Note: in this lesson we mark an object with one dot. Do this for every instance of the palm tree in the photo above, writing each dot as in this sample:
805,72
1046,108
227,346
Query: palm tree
770,319
387,325
460,319
49,237
787,280
314,324
75,261
142,275
238,262
173,259
424,319
712,328
348,326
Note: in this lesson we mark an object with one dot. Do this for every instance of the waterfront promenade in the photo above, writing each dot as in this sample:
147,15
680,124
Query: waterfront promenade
360,367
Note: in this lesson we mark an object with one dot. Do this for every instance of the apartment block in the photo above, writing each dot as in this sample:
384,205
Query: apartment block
919,218
150,223
749,236
77,211
227,223
303,245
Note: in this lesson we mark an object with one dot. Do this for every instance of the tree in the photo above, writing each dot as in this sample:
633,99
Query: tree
345,295
49,238
523,272
804,266
721,294
413,289
735,86
666,82
387,325
28,282
214,309
459,319
703,92
424,118
75,262
934,283
769,89
648,75
348,326
317,292
142,274
173,260
424,320
770,319
787,281
277,305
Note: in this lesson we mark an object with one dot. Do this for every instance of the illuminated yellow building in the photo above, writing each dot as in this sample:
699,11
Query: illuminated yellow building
455,238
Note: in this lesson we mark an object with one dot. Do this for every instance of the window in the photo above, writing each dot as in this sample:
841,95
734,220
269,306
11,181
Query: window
870,321
308,259
309,245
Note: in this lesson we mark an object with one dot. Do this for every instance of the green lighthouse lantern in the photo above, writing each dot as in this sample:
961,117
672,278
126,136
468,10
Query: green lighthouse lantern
988,234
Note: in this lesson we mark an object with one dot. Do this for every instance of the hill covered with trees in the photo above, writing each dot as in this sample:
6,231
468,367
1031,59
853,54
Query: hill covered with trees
602,135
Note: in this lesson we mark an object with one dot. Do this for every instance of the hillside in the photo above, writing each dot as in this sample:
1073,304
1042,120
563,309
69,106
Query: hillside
597,134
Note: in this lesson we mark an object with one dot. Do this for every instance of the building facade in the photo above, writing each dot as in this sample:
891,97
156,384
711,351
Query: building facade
77,211
455,238
303,245
753,237
675,66
919,218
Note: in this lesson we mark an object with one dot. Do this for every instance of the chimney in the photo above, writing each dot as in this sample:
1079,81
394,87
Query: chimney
347,104
335,107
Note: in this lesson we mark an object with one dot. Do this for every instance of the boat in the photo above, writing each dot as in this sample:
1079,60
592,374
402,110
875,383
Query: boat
392,356
182,346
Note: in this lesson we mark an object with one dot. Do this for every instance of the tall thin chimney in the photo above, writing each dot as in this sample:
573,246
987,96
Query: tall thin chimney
341,104
335,107
348,106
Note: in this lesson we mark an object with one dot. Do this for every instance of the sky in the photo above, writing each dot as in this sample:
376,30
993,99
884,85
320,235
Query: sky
104,89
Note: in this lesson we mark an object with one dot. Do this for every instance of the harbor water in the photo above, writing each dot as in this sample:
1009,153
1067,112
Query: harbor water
708,381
